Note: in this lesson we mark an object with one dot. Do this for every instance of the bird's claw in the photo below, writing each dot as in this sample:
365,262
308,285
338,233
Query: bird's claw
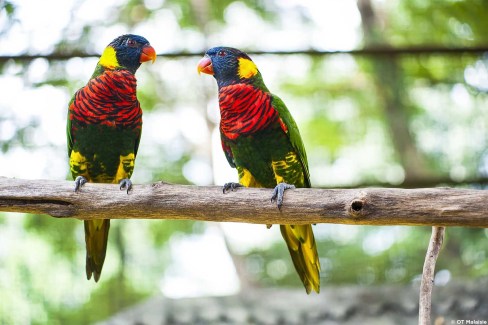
230,186
278,193
126,184
79,182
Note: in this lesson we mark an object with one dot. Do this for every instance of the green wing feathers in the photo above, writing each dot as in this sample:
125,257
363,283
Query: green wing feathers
293,134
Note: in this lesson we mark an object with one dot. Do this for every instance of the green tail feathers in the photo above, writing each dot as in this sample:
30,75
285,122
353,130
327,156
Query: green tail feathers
303,250
96,238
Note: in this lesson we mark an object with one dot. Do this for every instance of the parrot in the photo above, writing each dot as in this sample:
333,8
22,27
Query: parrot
261,140
104,127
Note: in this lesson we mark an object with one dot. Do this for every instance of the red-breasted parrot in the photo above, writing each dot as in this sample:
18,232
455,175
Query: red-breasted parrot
104,129
261,140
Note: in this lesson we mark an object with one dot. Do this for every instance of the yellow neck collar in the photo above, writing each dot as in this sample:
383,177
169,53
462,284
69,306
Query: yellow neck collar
109,58
247,68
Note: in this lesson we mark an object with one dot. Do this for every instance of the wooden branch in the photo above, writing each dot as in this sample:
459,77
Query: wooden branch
369,206
427,283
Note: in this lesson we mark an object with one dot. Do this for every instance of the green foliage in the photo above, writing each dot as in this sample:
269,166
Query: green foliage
122,292
193,14
60,233
450,23
162,231
7,8
133,12
356,260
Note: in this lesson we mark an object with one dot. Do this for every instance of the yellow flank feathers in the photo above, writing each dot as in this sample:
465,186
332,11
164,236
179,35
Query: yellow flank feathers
109,58
78,164
246,179
247,68
126,166
282,168
279,179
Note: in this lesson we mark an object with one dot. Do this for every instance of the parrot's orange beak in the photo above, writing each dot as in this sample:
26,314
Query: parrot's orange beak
148,54
205,66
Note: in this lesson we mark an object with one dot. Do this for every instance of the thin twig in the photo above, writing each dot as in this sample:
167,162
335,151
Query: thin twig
425,299
384,50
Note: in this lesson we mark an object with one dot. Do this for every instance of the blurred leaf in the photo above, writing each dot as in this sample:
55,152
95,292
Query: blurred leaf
111,296
60,233
162,231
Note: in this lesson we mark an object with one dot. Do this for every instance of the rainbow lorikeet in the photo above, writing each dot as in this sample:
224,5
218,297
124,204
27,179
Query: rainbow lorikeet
104,129
261,140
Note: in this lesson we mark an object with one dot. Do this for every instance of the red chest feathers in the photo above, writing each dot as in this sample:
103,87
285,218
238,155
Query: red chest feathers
244,110
109,99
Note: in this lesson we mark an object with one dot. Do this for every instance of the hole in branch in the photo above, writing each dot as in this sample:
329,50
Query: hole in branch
357,205
356,208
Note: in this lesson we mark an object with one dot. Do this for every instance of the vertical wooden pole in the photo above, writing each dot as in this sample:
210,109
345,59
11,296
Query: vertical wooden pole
425,298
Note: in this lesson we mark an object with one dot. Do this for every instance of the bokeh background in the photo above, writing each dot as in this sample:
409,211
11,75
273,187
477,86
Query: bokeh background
385,93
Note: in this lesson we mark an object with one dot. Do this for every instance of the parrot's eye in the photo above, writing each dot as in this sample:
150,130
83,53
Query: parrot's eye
221,53
131,43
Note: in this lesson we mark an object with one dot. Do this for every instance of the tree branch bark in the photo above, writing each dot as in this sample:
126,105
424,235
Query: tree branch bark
369,206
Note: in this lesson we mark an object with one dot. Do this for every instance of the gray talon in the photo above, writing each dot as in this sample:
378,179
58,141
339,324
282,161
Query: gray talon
278,193
230,186
79,182
126,184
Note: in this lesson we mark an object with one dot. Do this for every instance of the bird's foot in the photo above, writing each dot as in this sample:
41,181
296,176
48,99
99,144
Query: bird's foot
79,182
125,184
230,187
278,193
